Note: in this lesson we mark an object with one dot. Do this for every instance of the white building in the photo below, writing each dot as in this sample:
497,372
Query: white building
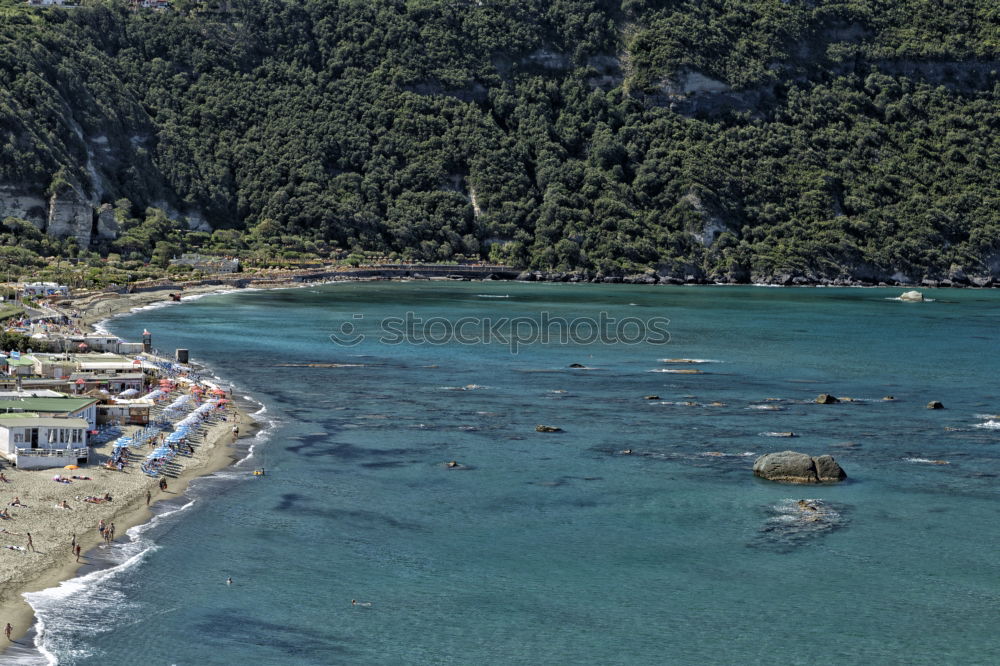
45,288
31,441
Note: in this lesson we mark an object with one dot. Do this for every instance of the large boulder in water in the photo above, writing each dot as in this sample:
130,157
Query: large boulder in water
795,467
826,399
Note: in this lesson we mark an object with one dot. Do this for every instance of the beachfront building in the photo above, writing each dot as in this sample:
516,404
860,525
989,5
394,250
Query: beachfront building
107,363
65,406
55,366
29,393
110,383
125,412
32,289
99,343
33,441
22,366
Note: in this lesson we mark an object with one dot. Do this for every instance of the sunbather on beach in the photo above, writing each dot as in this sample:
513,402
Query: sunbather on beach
16,502
5,515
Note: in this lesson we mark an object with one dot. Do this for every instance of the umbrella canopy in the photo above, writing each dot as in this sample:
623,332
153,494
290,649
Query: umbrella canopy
71,467
80,381
82,345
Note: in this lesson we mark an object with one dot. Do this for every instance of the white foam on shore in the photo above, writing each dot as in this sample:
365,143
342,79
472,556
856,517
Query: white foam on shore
90,594
84,593
989,425
196,297
71,606
681,361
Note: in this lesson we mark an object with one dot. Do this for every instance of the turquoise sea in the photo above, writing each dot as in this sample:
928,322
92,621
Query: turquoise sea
556,548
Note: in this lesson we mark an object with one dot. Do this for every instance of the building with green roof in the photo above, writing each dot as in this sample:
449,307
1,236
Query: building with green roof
62,407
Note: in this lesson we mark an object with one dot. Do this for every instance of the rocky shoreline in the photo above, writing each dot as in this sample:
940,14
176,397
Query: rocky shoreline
957,279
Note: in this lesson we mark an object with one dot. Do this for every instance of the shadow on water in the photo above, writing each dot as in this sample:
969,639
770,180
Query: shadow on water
296,641
295,503
315,446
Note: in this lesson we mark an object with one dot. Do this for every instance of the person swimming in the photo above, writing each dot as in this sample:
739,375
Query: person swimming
229,580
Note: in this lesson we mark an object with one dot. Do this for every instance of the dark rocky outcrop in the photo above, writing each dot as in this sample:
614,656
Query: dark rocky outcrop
826,399
547,428
795,467
935,404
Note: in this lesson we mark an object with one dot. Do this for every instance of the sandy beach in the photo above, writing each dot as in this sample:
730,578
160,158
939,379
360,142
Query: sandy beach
50,559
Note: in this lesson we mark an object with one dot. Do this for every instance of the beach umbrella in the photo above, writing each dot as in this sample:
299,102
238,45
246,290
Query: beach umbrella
80,381
71,467
82,345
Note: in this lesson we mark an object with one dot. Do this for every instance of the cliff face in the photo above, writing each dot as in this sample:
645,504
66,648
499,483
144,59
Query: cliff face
66,214
70,216
14,203
107,225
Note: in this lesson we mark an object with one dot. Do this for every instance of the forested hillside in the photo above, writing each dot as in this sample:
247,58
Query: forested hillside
734,139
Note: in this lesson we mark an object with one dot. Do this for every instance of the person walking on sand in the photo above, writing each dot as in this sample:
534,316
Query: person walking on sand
163,485
72,545
31,546
149,496
77,552
9,628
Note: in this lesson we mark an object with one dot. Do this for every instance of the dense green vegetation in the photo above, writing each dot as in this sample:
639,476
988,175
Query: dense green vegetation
857,137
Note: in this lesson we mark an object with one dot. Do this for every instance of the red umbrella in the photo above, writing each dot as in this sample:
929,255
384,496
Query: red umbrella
82,345
80,381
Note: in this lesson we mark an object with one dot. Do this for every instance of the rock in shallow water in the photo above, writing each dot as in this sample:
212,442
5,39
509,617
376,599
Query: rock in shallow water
796,523
795,467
